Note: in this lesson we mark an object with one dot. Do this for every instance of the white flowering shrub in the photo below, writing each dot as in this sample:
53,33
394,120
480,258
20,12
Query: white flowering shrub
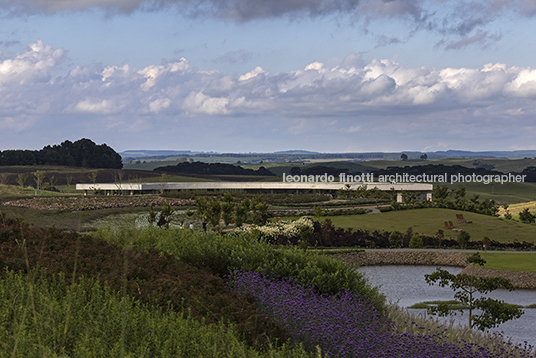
284,228
142,221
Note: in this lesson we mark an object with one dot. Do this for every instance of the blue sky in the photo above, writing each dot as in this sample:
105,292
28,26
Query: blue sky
254,76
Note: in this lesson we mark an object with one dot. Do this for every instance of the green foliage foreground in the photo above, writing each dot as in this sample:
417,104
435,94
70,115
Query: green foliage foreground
43,317
222,255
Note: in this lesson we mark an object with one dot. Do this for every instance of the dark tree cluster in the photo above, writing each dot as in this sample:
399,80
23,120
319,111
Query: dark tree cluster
322,169
82,153
212,169
530,173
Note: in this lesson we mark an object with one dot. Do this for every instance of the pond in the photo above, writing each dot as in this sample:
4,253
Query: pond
405,285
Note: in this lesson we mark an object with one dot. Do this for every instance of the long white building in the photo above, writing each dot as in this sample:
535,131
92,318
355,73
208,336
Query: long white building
267,187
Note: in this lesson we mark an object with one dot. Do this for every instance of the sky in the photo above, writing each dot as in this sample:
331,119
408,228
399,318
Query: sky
263,76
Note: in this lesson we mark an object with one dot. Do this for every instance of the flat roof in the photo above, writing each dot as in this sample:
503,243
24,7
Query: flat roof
254,186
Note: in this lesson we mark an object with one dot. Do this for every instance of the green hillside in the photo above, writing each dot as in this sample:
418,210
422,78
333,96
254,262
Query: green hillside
429,221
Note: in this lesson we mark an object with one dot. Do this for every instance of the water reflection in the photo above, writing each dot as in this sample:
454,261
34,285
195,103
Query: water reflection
406,286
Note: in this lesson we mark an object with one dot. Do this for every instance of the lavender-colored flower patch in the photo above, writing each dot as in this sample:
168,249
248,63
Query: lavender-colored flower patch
344,325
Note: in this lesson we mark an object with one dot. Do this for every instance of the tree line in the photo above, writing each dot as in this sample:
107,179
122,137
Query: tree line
82,153
212,169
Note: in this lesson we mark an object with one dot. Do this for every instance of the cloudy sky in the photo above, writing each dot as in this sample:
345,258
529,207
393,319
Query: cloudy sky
269,75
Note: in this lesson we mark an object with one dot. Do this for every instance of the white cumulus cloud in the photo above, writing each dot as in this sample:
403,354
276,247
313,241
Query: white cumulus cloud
364,95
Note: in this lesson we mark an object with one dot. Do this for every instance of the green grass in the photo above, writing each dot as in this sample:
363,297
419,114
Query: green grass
12,190
429,221
510,261
453,305
507,193
48,318
66,219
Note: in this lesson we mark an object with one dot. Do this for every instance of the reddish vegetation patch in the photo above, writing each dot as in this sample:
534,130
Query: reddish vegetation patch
81,203
151,277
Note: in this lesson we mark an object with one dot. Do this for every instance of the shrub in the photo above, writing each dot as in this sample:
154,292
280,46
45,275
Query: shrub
396,238
416,242
526,216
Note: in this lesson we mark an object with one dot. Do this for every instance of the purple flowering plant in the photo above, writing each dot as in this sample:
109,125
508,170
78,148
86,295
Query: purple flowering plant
345,324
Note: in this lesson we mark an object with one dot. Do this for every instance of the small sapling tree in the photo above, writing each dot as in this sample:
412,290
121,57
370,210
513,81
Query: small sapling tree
491,313
152,216
260,210
318,211
463,239
241,212
93,176
39,178
526,216
486,242
227,207
21,179
395,239
507,214
213,212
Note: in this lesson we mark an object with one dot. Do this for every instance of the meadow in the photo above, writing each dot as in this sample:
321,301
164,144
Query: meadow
429,221
510,261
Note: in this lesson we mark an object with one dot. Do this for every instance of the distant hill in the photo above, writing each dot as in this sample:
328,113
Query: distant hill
153,153
514,154
304,156
295,152
212,169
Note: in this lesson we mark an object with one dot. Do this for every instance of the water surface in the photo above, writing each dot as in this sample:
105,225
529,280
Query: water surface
405,285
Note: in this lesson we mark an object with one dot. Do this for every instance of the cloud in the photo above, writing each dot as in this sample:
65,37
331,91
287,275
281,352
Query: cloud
232,57
482,38
465,14
454,19
239,10
357,97
32,66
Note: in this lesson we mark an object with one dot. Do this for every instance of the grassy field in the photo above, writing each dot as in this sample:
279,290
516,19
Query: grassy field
507,193
429,221
68,220
510,261
12,190
515,209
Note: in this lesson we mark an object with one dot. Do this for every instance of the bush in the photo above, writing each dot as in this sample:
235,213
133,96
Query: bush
396,238
526,216
416,242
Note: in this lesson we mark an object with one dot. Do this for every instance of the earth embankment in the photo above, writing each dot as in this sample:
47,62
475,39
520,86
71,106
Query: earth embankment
524,280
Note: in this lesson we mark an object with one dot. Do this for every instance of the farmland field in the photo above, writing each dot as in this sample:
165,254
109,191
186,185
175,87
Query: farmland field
510,261
429,221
